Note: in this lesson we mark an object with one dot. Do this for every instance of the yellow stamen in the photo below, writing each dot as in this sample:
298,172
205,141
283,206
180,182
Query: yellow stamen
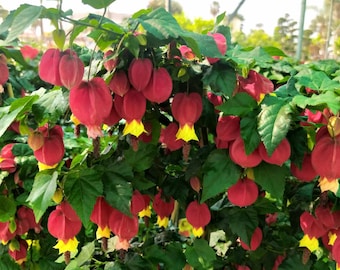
186,133
134,127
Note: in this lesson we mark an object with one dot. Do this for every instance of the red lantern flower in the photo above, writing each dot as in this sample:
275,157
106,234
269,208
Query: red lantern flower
113,118
280,154
163,209
110,62
306,173
25,221
100,215
18,250
28,52
186,109
256,85
159,87
64,224
255,240
6,233
119,83
311,226
125,227
228,128
168,137
4,72
187,52
132,108
71,69
7,162
137,202
49,66
238,154
146,211
244,193
139,73
91,104
52,150
221,43
198,215
214,99
327,217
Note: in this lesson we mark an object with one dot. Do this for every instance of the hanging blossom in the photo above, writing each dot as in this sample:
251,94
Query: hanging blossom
100,215
163,208
64,224
198,215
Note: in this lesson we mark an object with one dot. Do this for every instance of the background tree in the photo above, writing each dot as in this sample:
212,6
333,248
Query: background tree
176,7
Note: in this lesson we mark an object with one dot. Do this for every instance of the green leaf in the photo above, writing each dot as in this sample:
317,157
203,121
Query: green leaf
132,43
98,4
7,208
200,255
82,187
117,179
249,132
219,173
42,192
318,80
294,261
85,254
7,119
143,158
22,20
160,23
273,123
327,99
242,222
240,105
221,79
271,178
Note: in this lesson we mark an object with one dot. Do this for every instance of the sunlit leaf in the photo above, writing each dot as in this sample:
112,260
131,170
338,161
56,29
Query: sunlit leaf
98,4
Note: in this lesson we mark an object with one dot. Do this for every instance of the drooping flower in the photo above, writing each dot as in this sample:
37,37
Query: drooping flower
255,240
256,85
168,137
238,154
119,83
306,172
187,52
100,215
28,52
4,71
52,151
49,66
163,208
312,243
228,128
243,193
17,249
7,232
25,220
71,69
64,224
187,109
109,60
91,103
198,215
146,211
139,72
280,154
159,87
221,43
311,226
7,162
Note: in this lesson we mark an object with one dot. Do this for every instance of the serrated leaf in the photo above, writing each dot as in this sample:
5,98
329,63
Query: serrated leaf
7,208
272,178
117,179
200,255
273,123
160,23
239,104
98,4
219,173
221,80
82,187
249,133
242,222
22,20
42,192
319,80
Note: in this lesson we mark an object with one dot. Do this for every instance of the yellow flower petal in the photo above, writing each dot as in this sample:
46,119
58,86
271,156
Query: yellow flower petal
71,245
146,212
75,120
162,222
332,237
184,225
311,243
186,133
103,232
328,184
134,127
198,232
43,166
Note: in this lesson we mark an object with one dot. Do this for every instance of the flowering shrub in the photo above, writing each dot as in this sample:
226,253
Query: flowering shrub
159,148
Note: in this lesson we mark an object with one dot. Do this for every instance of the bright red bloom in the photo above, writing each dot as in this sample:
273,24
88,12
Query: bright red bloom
280,154
52,150
243,193
329,218
139,73
187,52
228,128
137,202
311,226
28,52
100,215
7,162
186,109
63,222
168,137
49,66
4,71
71,69
5,233
255,85
238,154
109,61
159,87
306,173
255,241
215,100
18,253
91,103
198,215
25,221
163,208
221,43
119,83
